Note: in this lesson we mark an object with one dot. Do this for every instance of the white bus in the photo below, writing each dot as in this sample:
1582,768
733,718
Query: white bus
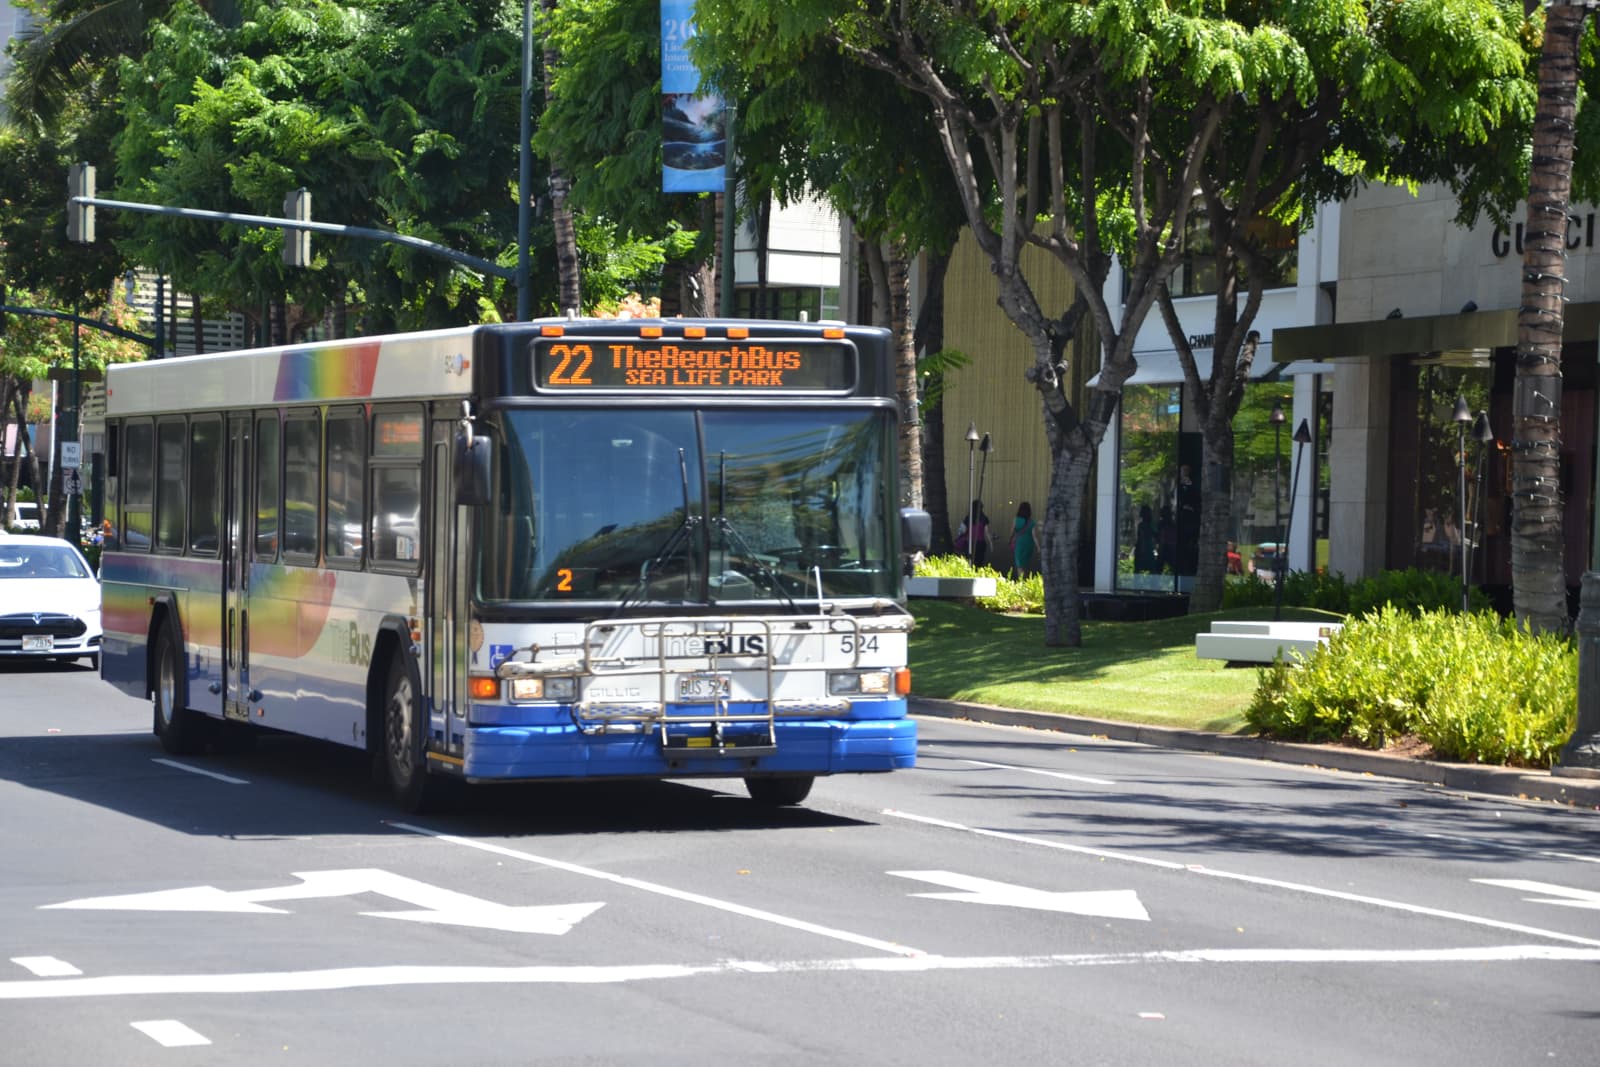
564,549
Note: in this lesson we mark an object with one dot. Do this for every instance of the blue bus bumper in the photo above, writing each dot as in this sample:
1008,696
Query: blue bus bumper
805,746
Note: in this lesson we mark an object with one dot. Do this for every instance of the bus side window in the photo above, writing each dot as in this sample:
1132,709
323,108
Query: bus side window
205,488
302,493
139,465
347,467
268,483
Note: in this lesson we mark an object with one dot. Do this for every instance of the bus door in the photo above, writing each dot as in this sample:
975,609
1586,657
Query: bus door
236,573
444,592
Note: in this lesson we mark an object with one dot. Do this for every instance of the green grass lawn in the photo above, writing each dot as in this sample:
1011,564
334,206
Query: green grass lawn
1125,671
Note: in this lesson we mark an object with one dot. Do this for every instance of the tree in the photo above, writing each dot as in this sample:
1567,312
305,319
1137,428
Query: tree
1097,121
566,238
1538,568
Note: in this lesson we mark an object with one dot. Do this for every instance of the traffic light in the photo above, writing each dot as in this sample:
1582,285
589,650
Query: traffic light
80,217
297,243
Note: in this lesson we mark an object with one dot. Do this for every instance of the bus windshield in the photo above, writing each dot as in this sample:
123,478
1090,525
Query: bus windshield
691,507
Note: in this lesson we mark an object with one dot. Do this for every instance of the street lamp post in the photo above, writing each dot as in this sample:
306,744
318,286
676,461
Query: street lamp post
972,467
1302,437
1462,417
1485,435
1277,418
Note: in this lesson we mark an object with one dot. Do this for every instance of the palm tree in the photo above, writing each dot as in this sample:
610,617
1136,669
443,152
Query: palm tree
1538,572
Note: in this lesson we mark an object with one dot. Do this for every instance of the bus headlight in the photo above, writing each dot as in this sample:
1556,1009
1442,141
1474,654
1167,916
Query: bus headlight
543,688
862,682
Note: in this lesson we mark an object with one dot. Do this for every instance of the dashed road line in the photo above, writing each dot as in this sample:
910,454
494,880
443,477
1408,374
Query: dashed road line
197,770
1035,770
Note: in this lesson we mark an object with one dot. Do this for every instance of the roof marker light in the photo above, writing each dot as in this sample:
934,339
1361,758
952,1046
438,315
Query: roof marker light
738,333
833,333
649,331
552,331
694,331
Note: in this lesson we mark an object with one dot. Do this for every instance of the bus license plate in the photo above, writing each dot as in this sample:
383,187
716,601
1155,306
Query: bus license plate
702,686
38,643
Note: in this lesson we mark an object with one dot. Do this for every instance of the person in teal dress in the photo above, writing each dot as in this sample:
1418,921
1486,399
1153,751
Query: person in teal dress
1024,551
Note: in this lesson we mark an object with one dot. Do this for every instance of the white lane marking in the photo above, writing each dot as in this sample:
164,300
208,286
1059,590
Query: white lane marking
197,770
1108,903
667,891
581,974
1571,856
1550,894
1034,770
45,966
433,903
170,1032
1211,872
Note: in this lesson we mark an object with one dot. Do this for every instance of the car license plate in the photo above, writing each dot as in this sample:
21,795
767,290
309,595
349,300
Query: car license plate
702,686
38,643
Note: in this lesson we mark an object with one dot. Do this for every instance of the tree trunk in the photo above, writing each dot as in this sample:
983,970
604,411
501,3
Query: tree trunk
905,376
878,272
1538,571
1216,512
566,234
1060,539
929,338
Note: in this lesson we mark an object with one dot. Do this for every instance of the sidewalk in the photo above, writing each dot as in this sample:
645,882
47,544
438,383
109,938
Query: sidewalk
1518,782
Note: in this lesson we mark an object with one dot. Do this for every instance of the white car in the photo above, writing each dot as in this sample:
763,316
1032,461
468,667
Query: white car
49,601
27,516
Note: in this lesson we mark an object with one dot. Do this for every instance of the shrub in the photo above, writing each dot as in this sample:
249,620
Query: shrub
1412,590
1301,589
1474,687
1020,595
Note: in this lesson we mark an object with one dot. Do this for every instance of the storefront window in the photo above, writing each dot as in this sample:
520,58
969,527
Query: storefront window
1434,512
1147,533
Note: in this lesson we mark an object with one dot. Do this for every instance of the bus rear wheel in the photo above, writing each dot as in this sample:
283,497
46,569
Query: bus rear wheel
404,748
178,728
780,792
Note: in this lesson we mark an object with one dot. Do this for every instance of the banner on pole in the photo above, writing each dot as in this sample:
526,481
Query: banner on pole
694,126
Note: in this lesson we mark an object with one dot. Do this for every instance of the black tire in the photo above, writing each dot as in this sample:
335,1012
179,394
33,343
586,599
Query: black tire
404,742
780,792
178,728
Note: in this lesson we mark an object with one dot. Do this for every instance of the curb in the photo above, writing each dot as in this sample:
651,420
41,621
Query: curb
1515,782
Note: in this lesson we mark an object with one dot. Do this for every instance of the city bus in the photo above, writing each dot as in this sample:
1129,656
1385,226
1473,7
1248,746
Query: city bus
560,549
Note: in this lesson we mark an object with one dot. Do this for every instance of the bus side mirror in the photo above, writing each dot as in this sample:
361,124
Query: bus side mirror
916,530
471,469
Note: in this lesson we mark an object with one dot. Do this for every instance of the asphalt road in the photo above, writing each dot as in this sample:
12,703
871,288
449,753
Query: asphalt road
1019,897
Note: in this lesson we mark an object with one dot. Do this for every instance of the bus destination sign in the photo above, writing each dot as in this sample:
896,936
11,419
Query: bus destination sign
617,364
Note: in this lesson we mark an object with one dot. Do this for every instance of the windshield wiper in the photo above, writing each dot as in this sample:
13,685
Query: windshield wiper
682,533
721,522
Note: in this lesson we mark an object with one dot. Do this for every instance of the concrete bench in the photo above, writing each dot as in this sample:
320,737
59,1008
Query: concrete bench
1261,642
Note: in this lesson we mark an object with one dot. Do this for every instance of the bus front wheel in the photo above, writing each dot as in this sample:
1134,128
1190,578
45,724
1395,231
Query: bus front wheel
404,734
174,724
779,792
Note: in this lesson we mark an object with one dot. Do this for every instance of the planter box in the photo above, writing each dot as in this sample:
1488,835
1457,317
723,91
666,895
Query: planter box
958,588
1260,642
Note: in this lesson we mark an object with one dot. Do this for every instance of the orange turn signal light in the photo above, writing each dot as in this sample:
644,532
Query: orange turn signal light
902,681
484,687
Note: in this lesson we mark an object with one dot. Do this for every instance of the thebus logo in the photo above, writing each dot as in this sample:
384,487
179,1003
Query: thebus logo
724,645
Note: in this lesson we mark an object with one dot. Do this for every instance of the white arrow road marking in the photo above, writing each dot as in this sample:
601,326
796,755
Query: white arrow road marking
1554,894
170,1032
46,966
582,974
434,904
1110,903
